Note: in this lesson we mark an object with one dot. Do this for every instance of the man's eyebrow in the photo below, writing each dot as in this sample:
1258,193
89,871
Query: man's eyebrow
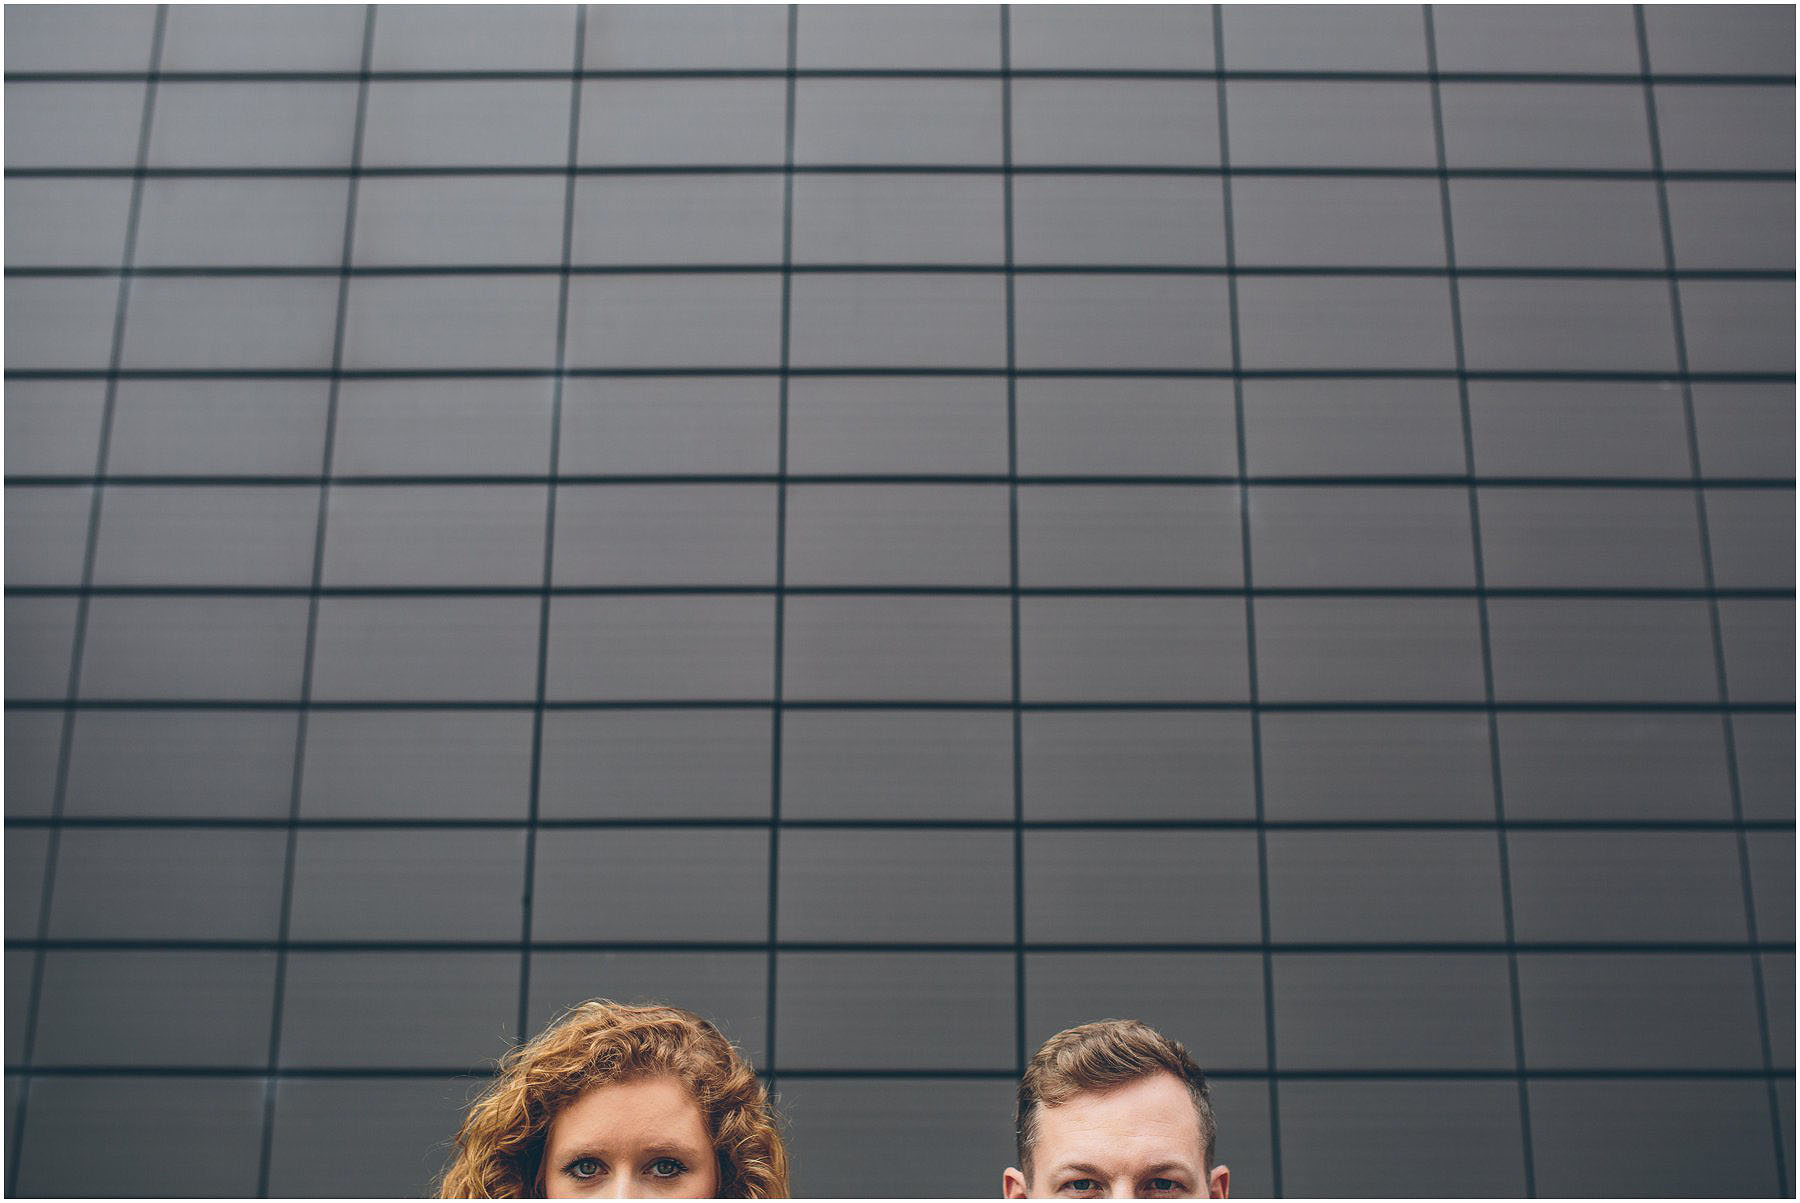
1076,1167
1164,1167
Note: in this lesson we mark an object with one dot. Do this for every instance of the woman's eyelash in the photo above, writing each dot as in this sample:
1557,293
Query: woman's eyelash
569,1169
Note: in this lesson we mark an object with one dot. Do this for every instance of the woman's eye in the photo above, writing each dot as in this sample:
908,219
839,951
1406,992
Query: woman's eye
583,1167
666,1167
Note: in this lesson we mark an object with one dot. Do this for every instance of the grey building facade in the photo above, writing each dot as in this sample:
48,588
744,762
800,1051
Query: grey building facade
902,529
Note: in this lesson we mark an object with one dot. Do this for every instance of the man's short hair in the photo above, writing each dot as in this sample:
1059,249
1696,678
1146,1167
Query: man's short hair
1099,1056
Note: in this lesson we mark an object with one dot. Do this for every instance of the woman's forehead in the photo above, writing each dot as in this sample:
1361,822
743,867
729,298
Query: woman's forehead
638,1112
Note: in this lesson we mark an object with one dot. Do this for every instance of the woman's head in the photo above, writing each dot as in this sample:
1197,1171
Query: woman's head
652,1099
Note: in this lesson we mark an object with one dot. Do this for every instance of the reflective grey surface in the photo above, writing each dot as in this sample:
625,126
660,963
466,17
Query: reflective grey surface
231,37
1147,536
1122,887
615,884
1437,887
1443,1138
174,1137
1586,1148
1376,765
895,764
1125,219
188,1008
670,763
1100,426
895,535
898,36
1582,429
205,763
1408,1010
416,763
391,1133
404,885
861,1138
1076,764
1221,991
1231,615
837,886
1578,38
418,1010
730,988
124,884
914,1010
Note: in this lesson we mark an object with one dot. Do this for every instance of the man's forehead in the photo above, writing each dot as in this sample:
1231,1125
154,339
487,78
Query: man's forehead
1152,1119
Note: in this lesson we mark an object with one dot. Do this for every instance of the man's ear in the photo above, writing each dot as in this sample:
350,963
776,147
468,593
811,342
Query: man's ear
1218,1183
1012,1185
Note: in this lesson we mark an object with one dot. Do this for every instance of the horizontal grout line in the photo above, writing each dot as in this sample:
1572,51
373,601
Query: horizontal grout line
424,480
1236,171
891,704
477,1073
1325,592
433,271
893,371
841,824
997,947
1207,75
39,1070
1327,1075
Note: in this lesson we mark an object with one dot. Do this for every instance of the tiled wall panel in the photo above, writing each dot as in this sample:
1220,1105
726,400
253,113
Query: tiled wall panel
903,528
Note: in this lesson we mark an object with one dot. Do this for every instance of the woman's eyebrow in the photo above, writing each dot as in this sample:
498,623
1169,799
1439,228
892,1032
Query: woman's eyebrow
580,1148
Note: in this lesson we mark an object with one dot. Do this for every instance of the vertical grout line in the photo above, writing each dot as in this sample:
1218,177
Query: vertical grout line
78,640
1012,492
522,1030
1679,329
1481,602
781,488
1243,484
314,594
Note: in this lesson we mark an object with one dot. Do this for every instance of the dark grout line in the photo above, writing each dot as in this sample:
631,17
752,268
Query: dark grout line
522,1030
776,746
912,373
1021,1051
1496,781
997,948
312,614
878,823
1315,706
1089,592
78,639
433,271
774,74
945,1074
1249,591
1268,171
1679,331
574,480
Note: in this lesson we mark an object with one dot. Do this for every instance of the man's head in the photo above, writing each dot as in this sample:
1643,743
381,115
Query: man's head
1114,1109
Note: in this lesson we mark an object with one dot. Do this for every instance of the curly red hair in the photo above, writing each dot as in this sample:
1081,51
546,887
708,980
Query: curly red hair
500,1147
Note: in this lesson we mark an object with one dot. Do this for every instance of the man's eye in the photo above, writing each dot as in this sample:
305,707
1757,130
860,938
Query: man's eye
1081,1186
583,1167
667,1167
1164,1186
